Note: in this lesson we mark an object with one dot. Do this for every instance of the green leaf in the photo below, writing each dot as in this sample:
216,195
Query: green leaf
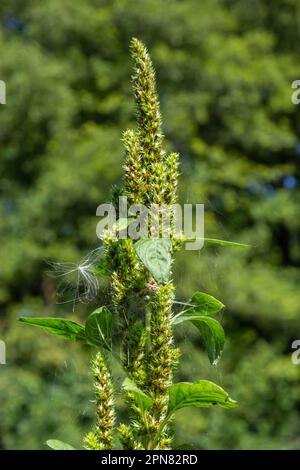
123,223
219,242
201,394
59,445
155,254
204,304
227,243
101,267
67,329
144,401
211,332
98,328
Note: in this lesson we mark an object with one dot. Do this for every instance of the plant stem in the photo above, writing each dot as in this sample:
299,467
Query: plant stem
148,331
150,177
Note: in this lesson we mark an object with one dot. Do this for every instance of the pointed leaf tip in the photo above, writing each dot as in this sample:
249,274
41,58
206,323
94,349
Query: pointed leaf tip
55,444
67,329
201,394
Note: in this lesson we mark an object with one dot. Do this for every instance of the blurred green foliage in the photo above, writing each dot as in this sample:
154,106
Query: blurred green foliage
224,69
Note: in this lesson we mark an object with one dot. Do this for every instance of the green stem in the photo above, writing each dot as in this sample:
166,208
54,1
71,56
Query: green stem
148,330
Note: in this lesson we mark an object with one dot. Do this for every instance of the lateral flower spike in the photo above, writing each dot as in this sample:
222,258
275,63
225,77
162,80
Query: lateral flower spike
102,436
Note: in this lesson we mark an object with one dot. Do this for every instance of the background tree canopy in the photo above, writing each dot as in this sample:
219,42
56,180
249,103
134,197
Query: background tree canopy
224,70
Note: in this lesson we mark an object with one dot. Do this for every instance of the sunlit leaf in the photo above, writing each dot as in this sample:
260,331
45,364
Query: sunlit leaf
204,304
123,223
155,254
215,241
211,332
227,243
98,328
202,394
55,444
67,329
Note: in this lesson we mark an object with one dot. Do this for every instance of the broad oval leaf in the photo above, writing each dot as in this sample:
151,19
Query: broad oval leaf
204,304
144,401
155,254
55,444
211,332
98,328
67,329
201,394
